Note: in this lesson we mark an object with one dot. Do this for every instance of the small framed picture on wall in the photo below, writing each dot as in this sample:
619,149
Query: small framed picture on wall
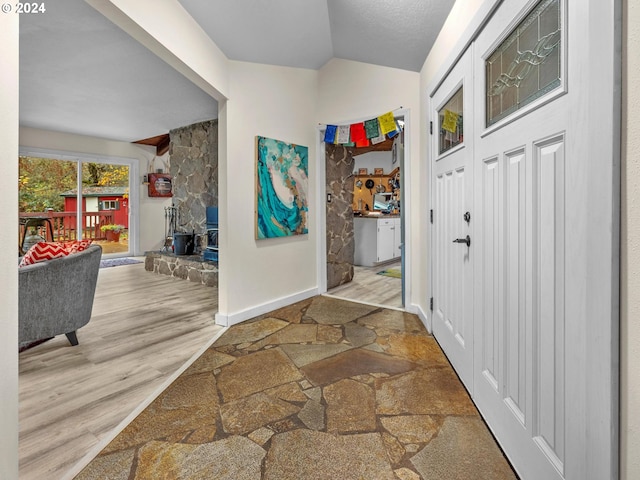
363,171
378,171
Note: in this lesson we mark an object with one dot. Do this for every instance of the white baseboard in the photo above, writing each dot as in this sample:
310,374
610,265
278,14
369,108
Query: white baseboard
238,317
422,315
411,309
331,295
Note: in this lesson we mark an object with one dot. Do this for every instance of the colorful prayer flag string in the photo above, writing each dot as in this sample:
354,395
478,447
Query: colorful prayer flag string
330,134
363,134
343,134
387,123
372,128
357,132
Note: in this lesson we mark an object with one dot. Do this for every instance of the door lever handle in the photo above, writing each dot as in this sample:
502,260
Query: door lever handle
466,240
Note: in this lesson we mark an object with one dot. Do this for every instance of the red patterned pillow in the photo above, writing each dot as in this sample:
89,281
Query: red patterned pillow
43,251
76,246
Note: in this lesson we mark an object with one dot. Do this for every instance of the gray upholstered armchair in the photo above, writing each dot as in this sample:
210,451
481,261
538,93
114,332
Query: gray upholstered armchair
56,296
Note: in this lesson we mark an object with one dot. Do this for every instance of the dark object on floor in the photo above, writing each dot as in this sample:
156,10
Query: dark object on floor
56,296
33,344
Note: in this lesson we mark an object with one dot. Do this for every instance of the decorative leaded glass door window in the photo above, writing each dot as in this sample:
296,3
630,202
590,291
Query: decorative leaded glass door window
526,65
450,122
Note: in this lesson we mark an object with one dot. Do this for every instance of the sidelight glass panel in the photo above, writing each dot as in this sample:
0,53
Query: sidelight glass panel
42,184
105,205
450,123
526,65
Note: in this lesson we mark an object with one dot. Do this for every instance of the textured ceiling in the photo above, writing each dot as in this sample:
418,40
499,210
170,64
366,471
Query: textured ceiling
79,73
307,34
392,33
292,33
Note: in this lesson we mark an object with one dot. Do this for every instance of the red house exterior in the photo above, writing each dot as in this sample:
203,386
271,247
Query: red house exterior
113,200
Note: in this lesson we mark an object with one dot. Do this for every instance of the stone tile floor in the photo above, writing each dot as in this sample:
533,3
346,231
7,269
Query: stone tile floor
323,389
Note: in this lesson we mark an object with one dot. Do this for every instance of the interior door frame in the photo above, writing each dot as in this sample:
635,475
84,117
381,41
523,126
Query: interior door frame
601,306
405,212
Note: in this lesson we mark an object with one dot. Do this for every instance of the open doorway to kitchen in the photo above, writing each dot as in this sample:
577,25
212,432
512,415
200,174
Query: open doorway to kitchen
365,228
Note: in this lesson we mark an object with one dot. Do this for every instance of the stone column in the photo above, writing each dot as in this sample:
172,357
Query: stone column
340,237
194,169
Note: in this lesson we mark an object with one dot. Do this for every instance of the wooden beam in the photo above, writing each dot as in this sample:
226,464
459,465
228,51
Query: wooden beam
379,147
163,145
161,142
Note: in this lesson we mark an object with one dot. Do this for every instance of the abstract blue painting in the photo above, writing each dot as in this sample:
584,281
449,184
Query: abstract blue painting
281,188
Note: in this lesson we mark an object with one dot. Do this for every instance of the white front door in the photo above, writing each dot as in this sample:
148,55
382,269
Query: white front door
452,199
543,237
521,193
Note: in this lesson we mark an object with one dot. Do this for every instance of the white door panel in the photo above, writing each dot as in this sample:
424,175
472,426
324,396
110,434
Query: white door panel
452,262
530,179
519,302
520,345
540,354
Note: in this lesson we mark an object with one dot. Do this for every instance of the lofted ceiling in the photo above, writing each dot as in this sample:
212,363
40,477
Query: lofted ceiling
79,73
307,34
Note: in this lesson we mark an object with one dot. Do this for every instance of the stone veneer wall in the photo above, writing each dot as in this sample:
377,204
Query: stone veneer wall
194,169
340,236
186,267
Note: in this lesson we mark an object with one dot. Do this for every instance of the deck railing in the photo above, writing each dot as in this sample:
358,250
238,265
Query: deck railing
64,224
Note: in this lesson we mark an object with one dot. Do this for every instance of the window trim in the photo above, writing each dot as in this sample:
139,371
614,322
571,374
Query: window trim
545,98
439,156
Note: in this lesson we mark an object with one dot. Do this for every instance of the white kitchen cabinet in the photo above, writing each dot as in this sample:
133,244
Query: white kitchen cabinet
377,240
385,240
397,237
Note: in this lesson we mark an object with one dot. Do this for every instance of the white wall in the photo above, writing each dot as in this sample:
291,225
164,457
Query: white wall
630,243
8,237
350,91
151,221
275,102
460,17
150,217
371,160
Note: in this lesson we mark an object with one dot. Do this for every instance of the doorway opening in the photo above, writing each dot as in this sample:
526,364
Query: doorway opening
365,221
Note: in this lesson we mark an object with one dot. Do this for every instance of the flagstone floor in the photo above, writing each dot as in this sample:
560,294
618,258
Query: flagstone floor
323,389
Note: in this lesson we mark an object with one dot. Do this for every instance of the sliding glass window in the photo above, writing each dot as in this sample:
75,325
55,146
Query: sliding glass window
62,199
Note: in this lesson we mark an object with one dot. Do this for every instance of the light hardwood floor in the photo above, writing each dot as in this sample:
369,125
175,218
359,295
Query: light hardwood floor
144,327
369,287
